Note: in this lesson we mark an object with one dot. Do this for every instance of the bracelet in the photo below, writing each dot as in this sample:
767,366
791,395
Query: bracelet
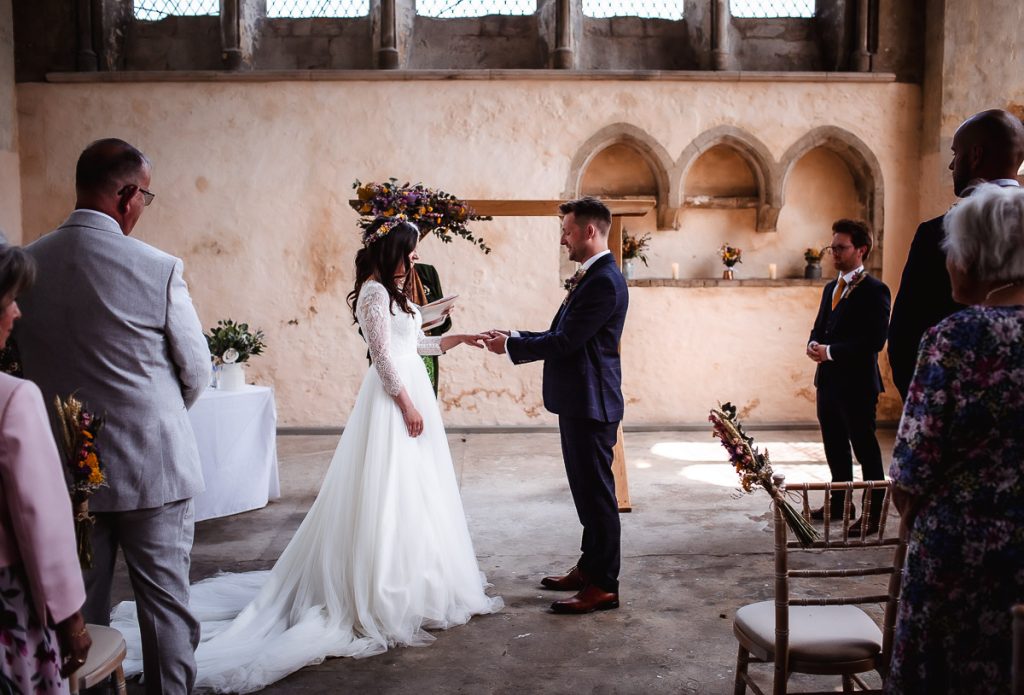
81,633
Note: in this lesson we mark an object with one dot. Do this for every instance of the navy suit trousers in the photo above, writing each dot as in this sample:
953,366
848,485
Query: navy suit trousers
587,448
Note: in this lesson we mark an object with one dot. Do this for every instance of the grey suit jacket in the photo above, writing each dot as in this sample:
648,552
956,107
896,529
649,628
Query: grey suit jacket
110,319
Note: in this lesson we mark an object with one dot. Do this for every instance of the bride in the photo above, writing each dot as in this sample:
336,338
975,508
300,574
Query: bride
384,553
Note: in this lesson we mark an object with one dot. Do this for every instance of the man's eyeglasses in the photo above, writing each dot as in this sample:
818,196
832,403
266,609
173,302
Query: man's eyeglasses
837,248
147,197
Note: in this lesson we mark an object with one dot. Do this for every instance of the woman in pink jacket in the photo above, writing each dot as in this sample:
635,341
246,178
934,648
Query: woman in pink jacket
42,633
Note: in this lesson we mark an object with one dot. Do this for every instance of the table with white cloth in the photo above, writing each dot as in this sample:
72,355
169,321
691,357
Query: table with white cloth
237,436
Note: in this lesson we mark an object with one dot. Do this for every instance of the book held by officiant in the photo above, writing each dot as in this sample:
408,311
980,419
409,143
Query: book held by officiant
435,313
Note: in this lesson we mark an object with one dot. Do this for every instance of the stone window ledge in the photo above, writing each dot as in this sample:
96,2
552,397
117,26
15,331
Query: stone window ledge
484,75
719,282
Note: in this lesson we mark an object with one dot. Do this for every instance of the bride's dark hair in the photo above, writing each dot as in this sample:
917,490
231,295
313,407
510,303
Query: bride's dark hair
383,256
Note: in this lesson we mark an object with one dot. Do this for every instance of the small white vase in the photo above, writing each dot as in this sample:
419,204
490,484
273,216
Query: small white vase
232,377
628,268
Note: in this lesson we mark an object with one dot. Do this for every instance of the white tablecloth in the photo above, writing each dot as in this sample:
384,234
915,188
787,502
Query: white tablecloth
237,436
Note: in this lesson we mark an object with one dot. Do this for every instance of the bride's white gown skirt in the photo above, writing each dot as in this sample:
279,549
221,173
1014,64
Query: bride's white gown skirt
383,553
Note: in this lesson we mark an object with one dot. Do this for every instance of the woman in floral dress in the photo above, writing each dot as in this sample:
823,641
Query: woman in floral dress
958,465
42,633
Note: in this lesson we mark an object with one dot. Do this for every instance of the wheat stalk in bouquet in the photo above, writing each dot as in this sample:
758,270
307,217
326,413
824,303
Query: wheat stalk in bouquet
755,469
78,430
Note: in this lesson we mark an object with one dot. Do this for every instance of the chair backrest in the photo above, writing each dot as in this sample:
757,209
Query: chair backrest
839,554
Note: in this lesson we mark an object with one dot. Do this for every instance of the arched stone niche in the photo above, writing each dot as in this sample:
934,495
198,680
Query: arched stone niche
864,170
727,168
622,160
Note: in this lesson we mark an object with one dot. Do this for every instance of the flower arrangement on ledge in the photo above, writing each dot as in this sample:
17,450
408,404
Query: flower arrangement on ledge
634,246
433,211
754,468
78,429
731,255
814,255
232,342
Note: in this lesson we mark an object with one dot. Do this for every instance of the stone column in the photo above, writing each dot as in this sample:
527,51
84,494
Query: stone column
720,34
387,53
563,57
861,55
230,34
85,59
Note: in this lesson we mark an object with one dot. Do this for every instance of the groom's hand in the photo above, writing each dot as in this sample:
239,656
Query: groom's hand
495,341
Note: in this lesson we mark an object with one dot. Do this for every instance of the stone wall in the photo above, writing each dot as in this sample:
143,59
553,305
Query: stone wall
974,62
10,180
252,181
48,40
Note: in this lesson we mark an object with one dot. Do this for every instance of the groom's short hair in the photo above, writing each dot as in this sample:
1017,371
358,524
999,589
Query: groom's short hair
589,210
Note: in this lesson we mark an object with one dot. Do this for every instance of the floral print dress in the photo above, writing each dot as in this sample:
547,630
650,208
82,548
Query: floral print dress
29,656
960,448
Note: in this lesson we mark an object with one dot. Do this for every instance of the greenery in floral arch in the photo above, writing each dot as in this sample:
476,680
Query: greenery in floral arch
433,211
232,342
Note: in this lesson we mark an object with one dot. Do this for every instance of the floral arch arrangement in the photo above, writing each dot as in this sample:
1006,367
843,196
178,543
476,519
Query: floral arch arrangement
433,211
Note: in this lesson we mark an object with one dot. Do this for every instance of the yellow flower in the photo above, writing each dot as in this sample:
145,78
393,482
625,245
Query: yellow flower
96,477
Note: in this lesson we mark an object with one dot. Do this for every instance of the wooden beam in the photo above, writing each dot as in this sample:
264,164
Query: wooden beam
626,207
619,471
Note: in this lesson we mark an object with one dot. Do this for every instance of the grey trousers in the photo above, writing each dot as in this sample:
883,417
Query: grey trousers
156,543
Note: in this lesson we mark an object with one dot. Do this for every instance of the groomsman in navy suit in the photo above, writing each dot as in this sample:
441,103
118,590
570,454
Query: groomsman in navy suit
848,333
583,386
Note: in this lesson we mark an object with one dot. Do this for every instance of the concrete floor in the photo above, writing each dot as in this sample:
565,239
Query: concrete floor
694,550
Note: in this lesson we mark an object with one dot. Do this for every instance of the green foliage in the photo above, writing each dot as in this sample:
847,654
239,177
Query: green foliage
228,335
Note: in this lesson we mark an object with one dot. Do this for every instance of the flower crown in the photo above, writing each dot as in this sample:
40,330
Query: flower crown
382,231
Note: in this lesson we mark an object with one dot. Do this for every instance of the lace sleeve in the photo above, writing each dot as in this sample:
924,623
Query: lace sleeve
428,345
374,314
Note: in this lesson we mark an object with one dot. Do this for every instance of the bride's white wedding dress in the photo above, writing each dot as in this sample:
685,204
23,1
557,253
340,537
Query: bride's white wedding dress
383,554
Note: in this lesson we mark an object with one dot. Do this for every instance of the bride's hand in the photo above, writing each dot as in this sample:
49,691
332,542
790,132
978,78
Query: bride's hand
413,421
476,340
412,417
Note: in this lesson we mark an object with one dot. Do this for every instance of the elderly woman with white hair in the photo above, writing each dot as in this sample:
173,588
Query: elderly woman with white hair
958,465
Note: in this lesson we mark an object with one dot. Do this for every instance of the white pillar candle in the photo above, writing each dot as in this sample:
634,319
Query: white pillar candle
773,271
675,271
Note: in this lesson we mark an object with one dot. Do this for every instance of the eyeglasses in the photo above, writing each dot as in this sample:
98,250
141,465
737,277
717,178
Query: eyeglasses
837,248
147,197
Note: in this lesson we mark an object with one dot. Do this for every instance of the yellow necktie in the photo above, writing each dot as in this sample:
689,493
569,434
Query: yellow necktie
838,294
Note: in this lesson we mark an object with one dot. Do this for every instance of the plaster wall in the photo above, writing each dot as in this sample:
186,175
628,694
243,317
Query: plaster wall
974,62
10,180
252,181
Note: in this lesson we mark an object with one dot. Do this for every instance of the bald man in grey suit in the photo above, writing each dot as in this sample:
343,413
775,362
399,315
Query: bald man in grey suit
111,320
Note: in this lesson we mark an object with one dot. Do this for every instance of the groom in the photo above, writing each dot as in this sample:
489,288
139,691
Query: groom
583,386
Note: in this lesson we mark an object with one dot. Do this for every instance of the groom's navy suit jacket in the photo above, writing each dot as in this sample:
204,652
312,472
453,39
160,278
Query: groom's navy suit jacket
582,369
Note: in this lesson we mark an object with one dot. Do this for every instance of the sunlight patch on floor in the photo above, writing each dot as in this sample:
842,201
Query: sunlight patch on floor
723,474
778,452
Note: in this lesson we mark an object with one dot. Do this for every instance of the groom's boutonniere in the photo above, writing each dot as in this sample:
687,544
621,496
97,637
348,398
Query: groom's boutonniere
857,278
570,284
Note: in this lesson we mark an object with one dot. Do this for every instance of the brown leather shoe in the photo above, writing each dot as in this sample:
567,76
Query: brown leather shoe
573,581
591,598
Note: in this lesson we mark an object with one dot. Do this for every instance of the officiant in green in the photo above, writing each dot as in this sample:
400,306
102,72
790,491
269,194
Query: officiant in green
426,288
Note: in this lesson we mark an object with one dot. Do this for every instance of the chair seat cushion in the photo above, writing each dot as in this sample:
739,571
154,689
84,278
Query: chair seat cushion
816,633
105,654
